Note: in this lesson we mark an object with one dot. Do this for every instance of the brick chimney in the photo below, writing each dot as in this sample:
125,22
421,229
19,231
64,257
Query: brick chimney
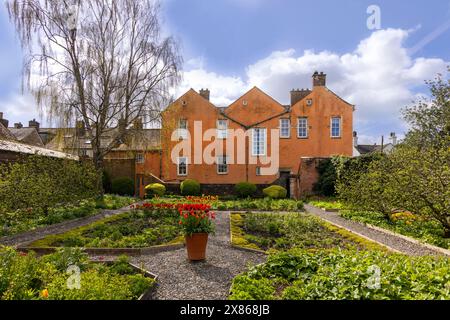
80,128
18,125
33,124
355,139
297,95
205,93
4,122
319,79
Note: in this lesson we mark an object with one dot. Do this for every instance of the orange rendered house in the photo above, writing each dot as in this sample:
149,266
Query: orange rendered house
255,139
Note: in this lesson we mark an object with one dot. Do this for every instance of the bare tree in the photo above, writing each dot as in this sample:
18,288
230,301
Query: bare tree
102,61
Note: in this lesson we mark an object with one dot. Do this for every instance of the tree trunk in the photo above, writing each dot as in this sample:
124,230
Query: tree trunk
97,159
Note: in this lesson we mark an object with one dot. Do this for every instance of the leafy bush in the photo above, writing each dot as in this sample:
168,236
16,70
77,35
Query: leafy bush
275,192
39,183
325,184
155,189
190,187
123,186
245,189
345,274
27,277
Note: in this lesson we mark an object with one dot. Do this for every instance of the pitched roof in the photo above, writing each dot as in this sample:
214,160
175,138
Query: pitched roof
6,134
138,140
18,147
27,135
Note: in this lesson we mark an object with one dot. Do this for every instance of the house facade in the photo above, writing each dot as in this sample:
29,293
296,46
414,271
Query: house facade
240,142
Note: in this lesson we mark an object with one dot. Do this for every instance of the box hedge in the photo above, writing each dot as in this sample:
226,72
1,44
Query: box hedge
123,186
190,187
155,189
245,189
275,192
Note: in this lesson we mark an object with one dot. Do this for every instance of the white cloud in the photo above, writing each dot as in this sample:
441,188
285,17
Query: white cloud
19,108
379,77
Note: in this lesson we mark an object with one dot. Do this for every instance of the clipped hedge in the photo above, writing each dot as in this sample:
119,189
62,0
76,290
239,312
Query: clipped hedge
38,183
190,187
123,186
275,192
245,189
155,189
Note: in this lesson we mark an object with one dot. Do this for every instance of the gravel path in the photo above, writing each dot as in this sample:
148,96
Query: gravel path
22,239
389,240
179,279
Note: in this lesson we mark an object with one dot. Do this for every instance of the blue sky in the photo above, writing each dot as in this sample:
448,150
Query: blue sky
232,45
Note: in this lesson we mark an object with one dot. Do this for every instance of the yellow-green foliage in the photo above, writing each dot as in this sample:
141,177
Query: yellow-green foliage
275,192
370,245
237,234
155,189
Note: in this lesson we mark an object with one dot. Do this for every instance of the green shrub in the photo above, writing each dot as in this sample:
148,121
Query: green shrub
190,187
25,276
123,186
275,192
345,275
325,185
155,189
39,183
245,189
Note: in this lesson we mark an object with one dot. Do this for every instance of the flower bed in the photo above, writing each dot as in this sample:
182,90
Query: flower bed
27,277
344,274
263,231
261,204
146,225
25,220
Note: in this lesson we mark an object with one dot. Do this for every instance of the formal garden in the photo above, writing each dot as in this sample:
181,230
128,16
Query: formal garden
376,228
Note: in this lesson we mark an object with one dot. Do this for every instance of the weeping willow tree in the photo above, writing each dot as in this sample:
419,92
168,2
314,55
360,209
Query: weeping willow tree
102,62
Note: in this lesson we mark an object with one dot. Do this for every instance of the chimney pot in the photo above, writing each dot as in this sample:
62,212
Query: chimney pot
205,93
18,125
4,122
319,80
33,124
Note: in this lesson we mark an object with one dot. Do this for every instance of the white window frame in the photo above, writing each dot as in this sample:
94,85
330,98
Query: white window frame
178,166
262,144
288,128
220,163
222,133
182,132
140,158
306,127
339,128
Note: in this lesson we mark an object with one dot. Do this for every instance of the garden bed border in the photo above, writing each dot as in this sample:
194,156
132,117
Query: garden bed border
412,240
110,251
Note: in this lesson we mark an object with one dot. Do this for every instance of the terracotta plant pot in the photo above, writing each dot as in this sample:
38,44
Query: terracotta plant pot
196,246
